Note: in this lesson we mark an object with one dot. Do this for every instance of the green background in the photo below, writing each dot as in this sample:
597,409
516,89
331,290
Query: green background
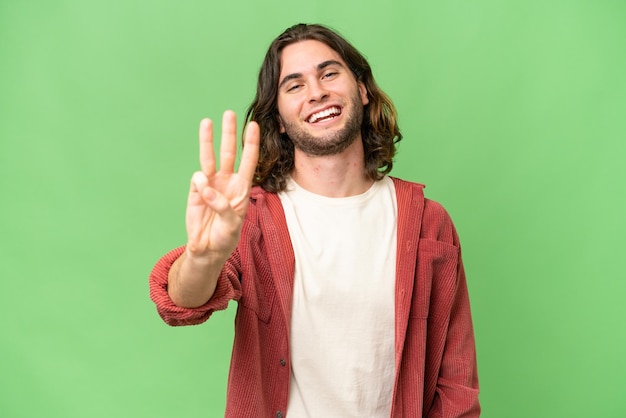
514,116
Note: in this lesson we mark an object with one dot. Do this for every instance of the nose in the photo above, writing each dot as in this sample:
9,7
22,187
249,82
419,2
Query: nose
317,91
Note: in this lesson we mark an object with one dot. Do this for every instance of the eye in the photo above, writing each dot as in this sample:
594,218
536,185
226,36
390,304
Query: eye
329,74
293,87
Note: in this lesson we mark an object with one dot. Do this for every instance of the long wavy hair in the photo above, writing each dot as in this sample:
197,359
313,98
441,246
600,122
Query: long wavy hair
379,130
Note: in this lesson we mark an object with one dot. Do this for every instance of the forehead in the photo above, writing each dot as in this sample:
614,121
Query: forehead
304,56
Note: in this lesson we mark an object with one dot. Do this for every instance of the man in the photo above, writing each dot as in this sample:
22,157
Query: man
350,285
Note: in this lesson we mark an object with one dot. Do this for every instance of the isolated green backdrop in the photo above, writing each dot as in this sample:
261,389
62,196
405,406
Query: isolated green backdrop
513,114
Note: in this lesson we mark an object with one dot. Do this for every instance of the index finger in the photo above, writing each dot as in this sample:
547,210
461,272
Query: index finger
207,154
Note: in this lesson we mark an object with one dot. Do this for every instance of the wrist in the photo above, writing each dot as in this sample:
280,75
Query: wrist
204,259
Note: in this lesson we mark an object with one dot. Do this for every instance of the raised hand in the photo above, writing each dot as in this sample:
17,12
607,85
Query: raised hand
218,199
216,207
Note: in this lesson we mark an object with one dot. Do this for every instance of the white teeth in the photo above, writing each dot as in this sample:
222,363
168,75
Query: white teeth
324,113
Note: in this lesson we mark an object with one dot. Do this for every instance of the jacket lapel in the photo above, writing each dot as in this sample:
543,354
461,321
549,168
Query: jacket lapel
279,250
410,198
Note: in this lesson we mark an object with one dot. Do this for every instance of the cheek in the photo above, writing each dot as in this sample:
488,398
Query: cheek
288,111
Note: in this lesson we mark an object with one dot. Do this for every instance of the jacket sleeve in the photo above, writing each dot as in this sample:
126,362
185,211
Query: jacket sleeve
228,288
456,394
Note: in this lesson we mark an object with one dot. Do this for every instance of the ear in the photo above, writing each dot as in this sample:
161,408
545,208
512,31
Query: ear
363,90
280,124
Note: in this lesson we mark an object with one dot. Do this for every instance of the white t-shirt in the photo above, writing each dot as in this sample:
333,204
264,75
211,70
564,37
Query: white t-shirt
342,324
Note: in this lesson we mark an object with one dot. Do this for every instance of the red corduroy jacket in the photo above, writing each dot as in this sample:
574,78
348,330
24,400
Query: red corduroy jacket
436,374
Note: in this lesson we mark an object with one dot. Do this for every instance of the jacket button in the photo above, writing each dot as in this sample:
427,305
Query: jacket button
279,414
283,362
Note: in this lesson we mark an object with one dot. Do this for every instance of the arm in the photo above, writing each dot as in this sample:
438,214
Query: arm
228,288
457,385
216,207
192,279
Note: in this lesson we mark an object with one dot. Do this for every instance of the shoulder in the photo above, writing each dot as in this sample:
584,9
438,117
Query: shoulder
436,221
404,186
257,192
263,203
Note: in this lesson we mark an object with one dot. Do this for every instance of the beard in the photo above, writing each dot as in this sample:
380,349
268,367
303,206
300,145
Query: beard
333,142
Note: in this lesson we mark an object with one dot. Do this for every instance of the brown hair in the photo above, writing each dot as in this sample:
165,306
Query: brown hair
379,131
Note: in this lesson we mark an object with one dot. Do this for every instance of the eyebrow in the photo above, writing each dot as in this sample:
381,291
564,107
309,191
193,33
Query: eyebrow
320,66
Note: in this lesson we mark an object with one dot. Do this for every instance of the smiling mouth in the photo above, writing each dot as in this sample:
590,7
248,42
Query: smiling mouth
326,114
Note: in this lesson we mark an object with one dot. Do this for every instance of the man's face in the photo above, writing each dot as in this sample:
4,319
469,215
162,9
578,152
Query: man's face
320,103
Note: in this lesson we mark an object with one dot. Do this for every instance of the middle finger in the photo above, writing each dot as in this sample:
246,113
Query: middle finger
228,147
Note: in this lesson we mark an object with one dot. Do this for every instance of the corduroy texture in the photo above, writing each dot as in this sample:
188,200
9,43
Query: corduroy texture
436,374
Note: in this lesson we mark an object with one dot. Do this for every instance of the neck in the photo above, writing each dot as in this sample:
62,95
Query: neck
339,175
